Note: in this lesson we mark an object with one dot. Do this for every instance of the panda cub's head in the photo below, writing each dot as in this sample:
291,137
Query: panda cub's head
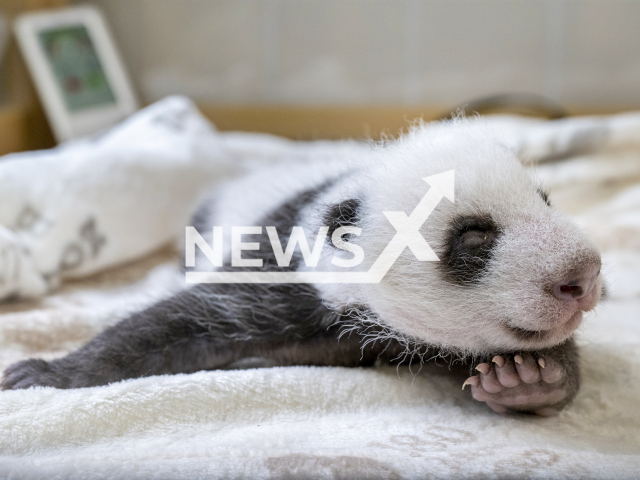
514,273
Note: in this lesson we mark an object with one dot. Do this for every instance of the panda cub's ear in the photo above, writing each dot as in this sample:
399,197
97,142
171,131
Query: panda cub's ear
545,196
343,214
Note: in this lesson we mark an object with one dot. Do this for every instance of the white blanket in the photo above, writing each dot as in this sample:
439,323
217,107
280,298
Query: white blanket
305,422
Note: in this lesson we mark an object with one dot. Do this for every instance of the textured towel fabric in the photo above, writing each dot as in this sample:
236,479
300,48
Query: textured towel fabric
306,422
104,200
329,422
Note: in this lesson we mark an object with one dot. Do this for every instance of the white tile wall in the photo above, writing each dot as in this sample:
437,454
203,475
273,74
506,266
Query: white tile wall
339,51
433,52
602,52
467,49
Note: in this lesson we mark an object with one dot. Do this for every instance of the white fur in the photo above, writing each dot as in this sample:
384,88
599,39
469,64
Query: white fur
538,247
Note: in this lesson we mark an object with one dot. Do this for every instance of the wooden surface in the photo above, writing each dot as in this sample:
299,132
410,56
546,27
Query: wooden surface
12,130
23,128
23,125
315,122
12,8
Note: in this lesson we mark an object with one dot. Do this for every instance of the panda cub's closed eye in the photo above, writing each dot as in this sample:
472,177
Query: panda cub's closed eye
468,248
474,239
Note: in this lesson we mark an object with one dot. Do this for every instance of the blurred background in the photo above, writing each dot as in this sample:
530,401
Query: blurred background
360,66
582,53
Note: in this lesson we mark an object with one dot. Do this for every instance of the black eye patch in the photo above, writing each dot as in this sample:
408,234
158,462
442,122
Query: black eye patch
343,214
468,248
545,196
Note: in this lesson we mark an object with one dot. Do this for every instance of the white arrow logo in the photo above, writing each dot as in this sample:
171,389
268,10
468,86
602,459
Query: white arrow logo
407,235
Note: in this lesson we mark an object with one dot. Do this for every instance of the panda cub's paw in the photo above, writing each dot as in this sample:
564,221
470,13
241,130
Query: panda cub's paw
522,383
31,373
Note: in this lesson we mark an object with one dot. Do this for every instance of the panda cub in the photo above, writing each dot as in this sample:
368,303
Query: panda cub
500,300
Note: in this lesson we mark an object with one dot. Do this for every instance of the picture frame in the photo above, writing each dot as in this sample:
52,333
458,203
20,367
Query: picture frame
77,70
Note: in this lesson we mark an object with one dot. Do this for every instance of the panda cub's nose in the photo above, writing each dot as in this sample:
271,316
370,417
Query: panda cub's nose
577,288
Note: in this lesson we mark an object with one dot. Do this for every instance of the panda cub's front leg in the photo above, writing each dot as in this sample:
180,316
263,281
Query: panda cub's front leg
541,382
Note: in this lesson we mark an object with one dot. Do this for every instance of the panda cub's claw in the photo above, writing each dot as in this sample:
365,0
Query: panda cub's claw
520,383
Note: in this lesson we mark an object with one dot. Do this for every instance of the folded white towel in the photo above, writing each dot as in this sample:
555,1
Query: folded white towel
106,199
